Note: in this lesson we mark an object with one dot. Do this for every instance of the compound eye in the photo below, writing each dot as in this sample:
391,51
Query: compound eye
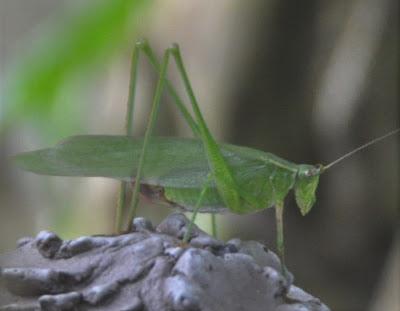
319,167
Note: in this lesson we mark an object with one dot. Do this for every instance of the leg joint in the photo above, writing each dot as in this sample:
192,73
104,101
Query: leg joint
141,43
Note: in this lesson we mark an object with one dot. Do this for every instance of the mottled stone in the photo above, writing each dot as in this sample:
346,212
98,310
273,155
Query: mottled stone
68,301
29,281
135,305
21,307
147,269
23,241
205,241
142,224
175,226
99,293
47,243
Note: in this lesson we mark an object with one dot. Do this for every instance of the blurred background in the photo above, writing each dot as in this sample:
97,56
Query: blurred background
307,81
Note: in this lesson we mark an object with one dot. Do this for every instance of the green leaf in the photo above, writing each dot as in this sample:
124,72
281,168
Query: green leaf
57,63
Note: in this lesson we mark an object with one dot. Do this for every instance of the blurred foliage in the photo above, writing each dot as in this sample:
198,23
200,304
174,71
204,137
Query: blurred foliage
46,82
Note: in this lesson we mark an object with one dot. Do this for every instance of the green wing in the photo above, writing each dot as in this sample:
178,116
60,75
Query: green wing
177,164
173,162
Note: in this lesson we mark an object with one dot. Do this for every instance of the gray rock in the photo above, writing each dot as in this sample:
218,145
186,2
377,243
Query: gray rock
148,270
142,224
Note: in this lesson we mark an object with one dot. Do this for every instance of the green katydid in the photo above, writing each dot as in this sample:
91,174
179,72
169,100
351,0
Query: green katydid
198,175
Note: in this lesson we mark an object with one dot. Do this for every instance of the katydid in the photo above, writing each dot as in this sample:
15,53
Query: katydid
197,175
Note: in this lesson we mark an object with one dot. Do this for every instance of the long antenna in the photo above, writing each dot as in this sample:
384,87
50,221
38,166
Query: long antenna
361,148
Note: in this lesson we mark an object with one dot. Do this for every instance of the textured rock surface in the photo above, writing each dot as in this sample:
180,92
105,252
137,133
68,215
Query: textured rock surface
149,270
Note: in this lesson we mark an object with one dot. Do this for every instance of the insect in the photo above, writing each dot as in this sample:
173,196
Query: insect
198,175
